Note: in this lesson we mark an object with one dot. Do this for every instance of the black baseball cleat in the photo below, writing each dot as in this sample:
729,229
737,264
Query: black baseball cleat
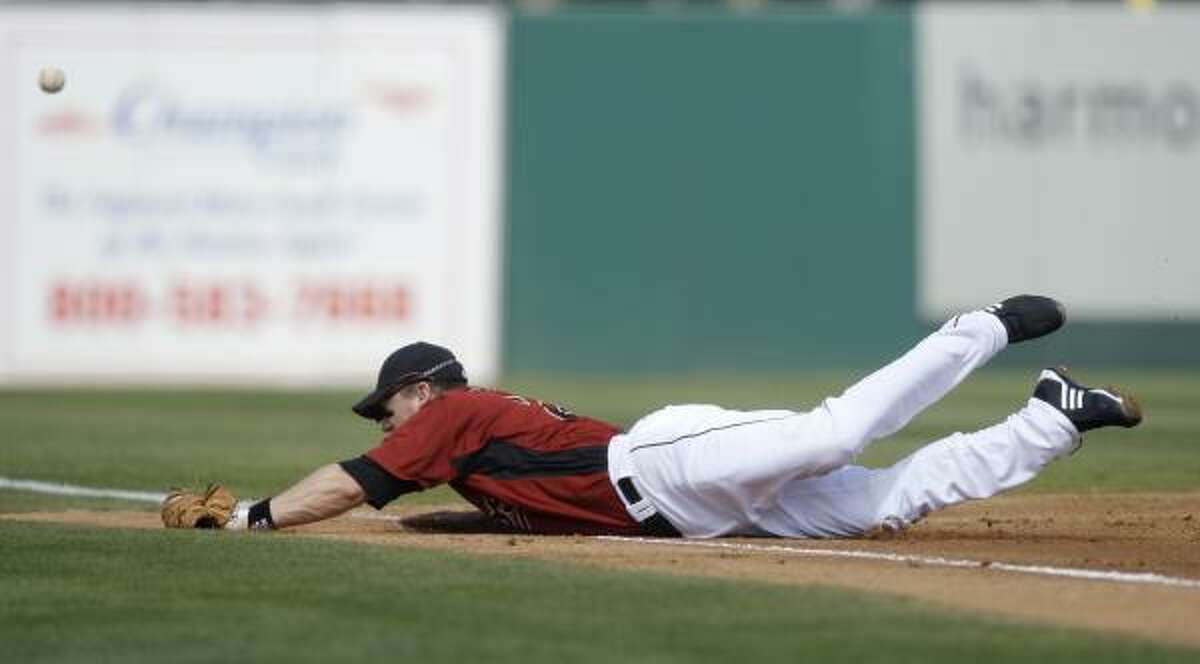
1087,407
1028,316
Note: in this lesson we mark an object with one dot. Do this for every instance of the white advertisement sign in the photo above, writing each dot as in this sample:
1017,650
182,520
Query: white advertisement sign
1060,148
250,195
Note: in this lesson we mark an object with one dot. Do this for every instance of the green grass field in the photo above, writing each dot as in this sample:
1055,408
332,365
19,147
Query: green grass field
76,594
83,594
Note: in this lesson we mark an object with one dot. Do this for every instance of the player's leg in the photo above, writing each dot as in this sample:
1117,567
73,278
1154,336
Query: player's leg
855,500
711,470
760,450
883,402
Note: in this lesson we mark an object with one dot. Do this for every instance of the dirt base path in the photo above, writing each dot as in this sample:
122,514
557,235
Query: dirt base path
1158,533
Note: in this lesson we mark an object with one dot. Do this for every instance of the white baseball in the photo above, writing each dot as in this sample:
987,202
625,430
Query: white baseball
52,79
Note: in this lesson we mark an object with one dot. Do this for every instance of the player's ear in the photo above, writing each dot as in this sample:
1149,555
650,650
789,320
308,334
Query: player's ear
425,391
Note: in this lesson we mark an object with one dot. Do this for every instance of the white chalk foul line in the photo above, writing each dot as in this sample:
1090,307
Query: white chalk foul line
1149,578
79,491
57,489
931,561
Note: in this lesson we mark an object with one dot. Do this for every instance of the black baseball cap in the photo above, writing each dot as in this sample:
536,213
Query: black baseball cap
411,364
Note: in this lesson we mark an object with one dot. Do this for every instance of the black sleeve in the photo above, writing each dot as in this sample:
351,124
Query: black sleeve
379,485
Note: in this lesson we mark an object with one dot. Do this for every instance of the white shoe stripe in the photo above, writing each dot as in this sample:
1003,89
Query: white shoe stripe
1071,398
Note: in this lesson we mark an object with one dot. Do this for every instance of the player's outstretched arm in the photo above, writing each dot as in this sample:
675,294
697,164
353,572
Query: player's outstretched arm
326,493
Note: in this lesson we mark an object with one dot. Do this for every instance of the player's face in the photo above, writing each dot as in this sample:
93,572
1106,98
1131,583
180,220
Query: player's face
404,404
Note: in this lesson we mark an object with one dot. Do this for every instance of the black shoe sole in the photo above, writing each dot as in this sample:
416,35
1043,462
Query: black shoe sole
1131,409
1028,317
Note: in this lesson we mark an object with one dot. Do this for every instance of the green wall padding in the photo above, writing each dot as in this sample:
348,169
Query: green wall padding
709,191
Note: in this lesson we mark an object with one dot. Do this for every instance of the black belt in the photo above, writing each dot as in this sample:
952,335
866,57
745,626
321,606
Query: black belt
655,525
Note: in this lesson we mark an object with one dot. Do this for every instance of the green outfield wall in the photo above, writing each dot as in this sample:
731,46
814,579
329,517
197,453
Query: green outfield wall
709,192
693,191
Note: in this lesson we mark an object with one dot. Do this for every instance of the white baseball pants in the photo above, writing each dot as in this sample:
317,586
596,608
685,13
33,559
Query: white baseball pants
713,472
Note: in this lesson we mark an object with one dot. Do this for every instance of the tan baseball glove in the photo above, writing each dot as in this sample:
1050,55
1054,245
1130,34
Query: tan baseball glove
212,509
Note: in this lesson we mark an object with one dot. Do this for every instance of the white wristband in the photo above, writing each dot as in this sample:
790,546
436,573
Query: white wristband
240,519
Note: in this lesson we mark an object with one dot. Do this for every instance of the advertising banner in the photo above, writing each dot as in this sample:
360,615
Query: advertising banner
256,194
1059,151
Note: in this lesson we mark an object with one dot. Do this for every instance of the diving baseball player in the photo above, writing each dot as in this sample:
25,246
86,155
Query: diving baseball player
694,470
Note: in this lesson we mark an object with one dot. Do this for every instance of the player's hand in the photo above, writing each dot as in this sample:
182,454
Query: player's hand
211,509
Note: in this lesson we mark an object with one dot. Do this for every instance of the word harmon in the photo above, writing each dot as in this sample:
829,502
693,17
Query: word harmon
1032,113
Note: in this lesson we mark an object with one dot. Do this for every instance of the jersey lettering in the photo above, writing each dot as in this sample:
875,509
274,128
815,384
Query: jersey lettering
552,409
558,411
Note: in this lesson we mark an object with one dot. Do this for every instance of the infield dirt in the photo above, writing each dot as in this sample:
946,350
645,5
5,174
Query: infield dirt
1128,533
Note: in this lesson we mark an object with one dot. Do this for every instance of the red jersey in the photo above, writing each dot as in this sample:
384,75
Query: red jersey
529,464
